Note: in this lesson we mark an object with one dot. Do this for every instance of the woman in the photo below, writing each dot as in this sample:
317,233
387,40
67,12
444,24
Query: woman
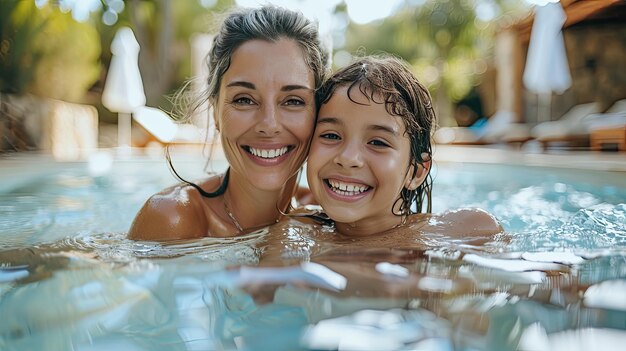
265,66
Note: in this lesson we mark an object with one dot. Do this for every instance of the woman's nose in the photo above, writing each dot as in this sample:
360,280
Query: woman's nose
349,156
269,121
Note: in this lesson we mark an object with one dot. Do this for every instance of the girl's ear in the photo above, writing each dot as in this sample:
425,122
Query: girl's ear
412,183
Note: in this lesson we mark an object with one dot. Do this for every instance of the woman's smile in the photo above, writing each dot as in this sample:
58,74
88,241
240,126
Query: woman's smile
267,112
268,156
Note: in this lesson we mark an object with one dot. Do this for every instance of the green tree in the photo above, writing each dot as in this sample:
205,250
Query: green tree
444,40
19,25
46,52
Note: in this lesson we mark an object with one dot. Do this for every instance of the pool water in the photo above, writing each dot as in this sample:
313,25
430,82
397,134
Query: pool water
69,280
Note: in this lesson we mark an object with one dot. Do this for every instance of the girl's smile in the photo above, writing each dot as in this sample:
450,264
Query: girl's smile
346,190
359,161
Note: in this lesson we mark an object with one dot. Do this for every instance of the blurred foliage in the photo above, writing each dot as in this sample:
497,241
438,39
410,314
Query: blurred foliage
71,62
46,52
19,57
445,41
43,50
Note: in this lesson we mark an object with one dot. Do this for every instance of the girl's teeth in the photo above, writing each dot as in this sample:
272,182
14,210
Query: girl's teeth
346,189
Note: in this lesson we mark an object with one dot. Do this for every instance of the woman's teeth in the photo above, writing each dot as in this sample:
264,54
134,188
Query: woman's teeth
347,189
265,153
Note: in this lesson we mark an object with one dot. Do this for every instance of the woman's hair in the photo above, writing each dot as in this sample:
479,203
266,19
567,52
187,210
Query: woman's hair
269,23
385,79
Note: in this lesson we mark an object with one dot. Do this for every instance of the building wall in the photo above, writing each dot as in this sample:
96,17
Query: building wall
508,79
597,58
596,53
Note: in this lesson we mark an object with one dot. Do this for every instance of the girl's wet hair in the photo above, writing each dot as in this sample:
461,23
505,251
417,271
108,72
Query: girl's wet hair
388,80
269,23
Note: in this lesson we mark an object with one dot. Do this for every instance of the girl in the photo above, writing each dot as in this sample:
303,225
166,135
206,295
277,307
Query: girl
265,65
370,157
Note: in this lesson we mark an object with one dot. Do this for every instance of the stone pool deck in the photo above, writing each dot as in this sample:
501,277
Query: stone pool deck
507,154
503,154
23,167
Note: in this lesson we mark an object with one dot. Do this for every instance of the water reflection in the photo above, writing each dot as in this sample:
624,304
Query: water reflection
69,279
182,296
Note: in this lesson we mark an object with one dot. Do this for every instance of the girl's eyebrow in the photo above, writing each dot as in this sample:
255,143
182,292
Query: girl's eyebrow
375,127
329,120
387,129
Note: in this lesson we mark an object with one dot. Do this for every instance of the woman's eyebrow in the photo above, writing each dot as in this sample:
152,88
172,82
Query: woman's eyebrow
294,87
240,83
244,84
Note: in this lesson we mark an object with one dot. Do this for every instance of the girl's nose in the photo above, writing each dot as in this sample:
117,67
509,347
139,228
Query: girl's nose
349,156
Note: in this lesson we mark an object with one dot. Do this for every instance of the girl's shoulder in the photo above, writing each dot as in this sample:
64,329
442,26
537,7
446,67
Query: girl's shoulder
464,222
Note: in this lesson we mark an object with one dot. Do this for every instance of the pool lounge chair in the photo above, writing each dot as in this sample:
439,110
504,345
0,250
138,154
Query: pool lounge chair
499,128
608,129
570,129
164,130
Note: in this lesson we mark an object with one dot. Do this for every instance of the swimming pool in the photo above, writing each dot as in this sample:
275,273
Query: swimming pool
69,280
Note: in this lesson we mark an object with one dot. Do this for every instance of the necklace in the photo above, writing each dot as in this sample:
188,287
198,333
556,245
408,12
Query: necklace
232,217
234,220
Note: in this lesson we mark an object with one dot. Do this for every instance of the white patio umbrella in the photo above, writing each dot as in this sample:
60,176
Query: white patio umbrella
546,68
123,89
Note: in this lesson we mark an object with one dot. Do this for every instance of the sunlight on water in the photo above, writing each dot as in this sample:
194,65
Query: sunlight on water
602,226
555,280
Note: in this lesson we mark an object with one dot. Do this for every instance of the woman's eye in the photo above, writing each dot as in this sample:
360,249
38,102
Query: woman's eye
243,101
380,143
294,102
330,136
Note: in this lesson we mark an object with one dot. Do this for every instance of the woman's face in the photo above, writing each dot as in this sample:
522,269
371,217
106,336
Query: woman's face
265,111
358,162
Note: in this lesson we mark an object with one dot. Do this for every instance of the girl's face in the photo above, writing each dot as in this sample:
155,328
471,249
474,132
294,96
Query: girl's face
265,112
358,163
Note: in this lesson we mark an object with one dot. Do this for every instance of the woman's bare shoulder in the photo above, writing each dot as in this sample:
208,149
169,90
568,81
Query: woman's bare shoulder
177,212
467,222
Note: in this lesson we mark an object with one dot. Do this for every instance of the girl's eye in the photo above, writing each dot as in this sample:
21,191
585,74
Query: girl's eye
379,143
243,101
294,102
330,136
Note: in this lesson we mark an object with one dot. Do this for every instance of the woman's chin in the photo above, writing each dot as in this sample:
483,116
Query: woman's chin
270,182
